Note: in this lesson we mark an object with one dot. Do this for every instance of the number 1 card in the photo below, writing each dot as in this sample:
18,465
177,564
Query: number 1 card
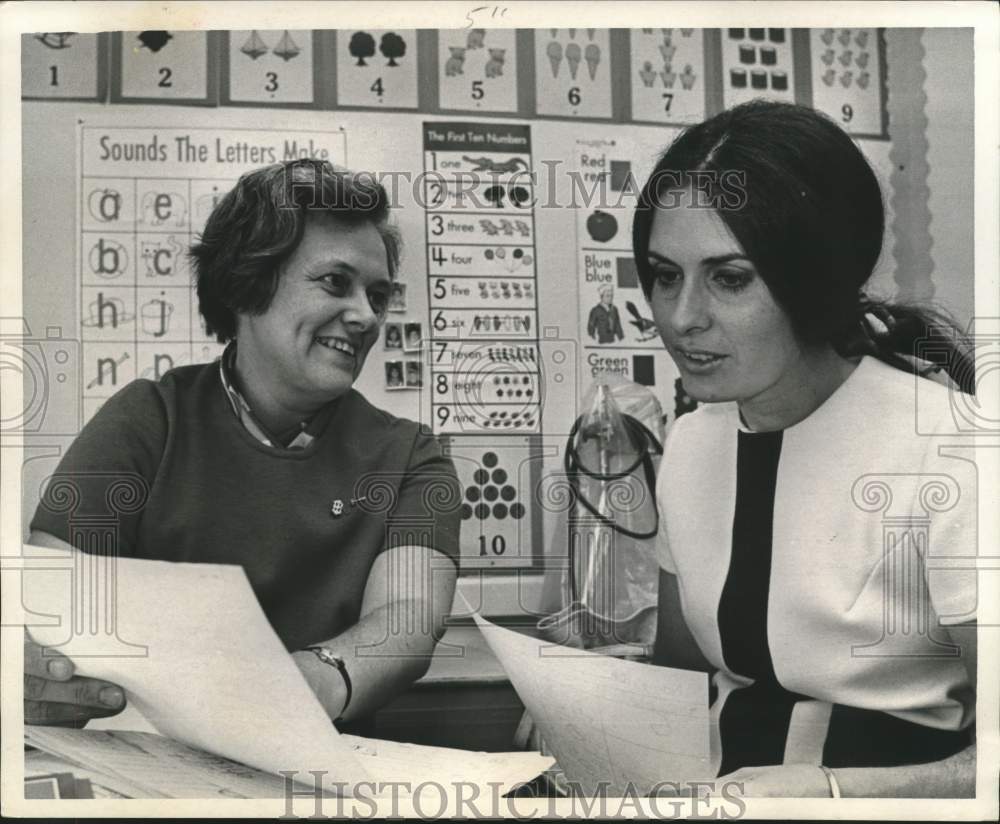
377,68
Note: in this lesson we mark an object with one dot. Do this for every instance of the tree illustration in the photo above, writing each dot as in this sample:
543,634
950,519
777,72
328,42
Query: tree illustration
392,46
362,45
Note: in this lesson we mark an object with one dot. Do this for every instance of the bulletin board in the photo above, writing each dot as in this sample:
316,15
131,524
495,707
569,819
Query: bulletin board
520,154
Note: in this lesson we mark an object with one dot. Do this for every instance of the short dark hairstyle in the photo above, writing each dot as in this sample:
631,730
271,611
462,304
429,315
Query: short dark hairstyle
259,224
808,213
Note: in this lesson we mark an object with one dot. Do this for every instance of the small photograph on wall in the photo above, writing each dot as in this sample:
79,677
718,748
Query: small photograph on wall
414,337
394,375
393,336
414,374
397,298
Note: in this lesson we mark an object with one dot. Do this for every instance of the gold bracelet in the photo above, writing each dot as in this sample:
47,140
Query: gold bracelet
832,781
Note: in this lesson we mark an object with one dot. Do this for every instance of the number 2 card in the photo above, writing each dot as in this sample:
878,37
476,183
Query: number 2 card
377,68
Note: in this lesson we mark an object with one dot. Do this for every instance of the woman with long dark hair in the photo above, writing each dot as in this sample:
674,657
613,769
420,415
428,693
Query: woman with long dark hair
809,524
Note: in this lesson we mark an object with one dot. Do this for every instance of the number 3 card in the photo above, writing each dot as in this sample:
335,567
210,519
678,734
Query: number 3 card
271,66
377,68
477,70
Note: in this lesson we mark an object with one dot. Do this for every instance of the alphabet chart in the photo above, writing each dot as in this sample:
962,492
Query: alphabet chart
479,198
145,194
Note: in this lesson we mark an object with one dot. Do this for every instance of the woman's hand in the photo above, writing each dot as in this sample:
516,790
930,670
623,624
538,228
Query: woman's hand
324,680
55,697
779,781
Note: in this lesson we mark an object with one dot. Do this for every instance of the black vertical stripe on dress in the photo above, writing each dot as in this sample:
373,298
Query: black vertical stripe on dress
754,722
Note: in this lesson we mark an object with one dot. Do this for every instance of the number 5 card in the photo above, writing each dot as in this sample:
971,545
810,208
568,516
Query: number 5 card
377,68
477,70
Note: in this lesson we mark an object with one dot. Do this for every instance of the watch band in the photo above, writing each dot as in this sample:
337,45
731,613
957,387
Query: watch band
832,781
329,657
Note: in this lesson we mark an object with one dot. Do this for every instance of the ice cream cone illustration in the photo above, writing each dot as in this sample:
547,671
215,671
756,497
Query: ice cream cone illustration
861,38
827,36
862,80
646,74
554,52
846,57
592,54
845,79
862,60
827,56
573,53
829,76
688,77
667,52
844,37
668,77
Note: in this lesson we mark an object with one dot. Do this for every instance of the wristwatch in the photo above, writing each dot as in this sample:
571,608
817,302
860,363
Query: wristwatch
329,657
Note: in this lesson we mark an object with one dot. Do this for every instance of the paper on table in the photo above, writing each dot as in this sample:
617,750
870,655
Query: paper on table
417,763
196,656
144,765
609,722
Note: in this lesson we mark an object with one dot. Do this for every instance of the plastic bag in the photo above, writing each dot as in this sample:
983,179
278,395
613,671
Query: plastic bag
605,596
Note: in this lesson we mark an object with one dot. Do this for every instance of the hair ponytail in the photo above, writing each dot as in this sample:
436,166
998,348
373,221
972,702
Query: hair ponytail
914,338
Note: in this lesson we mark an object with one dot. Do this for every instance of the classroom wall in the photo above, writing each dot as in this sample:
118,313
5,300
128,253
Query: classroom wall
393,140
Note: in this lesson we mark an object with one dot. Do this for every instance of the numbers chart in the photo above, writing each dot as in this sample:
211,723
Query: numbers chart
481,278
668,75
271,66
477,70
573,72
847,77
377,68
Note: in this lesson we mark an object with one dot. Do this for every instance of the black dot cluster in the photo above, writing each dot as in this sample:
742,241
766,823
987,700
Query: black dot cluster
513,386
490,494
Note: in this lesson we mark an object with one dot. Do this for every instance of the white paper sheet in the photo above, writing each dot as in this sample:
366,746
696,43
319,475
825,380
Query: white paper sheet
609,722
195,654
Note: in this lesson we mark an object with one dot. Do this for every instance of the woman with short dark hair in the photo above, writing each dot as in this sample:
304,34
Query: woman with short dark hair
268,458
806,519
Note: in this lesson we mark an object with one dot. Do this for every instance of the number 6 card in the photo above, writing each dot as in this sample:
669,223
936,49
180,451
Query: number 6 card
477,70
377,68
573,72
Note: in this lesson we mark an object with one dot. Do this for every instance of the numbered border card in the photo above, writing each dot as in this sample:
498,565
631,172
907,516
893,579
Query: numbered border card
757,62
378,68
64,65
272,67
848,78
573,72
477,70
164,67
667,75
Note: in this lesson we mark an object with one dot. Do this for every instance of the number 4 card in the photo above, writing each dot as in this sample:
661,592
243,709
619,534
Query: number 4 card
377,68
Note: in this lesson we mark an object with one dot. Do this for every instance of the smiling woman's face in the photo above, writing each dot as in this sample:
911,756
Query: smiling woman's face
310,344
722,327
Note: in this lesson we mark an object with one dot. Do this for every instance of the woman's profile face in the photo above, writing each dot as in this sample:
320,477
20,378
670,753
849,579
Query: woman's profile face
331,299
722,327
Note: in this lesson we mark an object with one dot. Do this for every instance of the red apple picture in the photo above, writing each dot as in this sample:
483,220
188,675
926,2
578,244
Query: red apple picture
601,226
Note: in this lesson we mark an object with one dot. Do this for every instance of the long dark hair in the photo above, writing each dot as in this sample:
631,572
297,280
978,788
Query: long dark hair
803,202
